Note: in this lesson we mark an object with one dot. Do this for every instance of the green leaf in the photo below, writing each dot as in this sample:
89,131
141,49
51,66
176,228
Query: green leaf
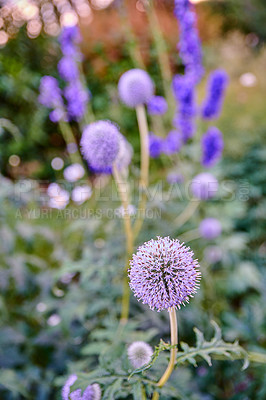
10,381
112,389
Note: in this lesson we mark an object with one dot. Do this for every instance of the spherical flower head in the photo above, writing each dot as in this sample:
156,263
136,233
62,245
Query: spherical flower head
68,69
59,197
139,353
212,146
125,153
135,87
210,228
157,105
100,144
81,193
163,273
204,186
74,172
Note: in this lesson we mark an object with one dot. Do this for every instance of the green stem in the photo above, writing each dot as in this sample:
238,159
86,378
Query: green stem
69,139
144,170
123,191
172,362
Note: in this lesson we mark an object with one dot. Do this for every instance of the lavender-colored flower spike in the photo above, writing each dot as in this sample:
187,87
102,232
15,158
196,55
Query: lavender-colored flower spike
66,388
76,395
50,93
217,83
157,105
210,228
204,186
212,145
139,353
155,145
164,274
68,69
172,143
77,99
100,144
69,39
135,87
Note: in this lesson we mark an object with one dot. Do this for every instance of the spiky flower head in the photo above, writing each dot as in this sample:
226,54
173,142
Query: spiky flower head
204,186
210,228
135,87
100,144
157,105
212,145
92,392
163,273
139,353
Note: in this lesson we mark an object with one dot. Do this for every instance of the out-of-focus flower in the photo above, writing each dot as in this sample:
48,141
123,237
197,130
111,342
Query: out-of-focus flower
139,353
77,99
164,274
157,105
59,198
125,153
189,42
186,125
69,39
204,186
81,193
213,254
68,69
74,172
92,392
174,177
57,163
100,144
131,210
135,87
210,228
217,83
57,115
212,146
172,143
248,79
155,145
50,93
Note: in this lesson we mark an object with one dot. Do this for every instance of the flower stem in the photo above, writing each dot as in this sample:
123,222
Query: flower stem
187,213
69,139
123,191
144,171
171,365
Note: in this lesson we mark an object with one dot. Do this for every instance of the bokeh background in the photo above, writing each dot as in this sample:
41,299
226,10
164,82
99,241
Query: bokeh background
55,273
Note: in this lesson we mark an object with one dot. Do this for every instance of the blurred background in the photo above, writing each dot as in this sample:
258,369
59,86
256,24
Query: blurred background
55,289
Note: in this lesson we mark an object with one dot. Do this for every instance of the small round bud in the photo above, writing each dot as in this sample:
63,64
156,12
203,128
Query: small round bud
139,354
210,228
135,87
204,186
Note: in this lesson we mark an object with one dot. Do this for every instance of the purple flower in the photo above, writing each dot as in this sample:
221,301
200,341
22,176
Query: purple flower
77,99
217,83
210,228
163,273
69,39
189,42
66,388
157,105
50,93
100,144
183,88
186,125
135,87
74,172
92,392
212,145
68,69
172,143
174,177
139,353
204,186
57,115
155,145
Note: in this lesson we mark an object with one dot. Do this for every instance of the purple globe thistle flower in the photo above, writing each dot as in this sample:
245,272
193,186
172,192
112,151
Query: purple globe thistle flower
210,228
217,83
68,69
135,87
172,143
212,146
164,274
74,172
139,353
204,186
50,93
77,99
157,105
100,144
155,145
